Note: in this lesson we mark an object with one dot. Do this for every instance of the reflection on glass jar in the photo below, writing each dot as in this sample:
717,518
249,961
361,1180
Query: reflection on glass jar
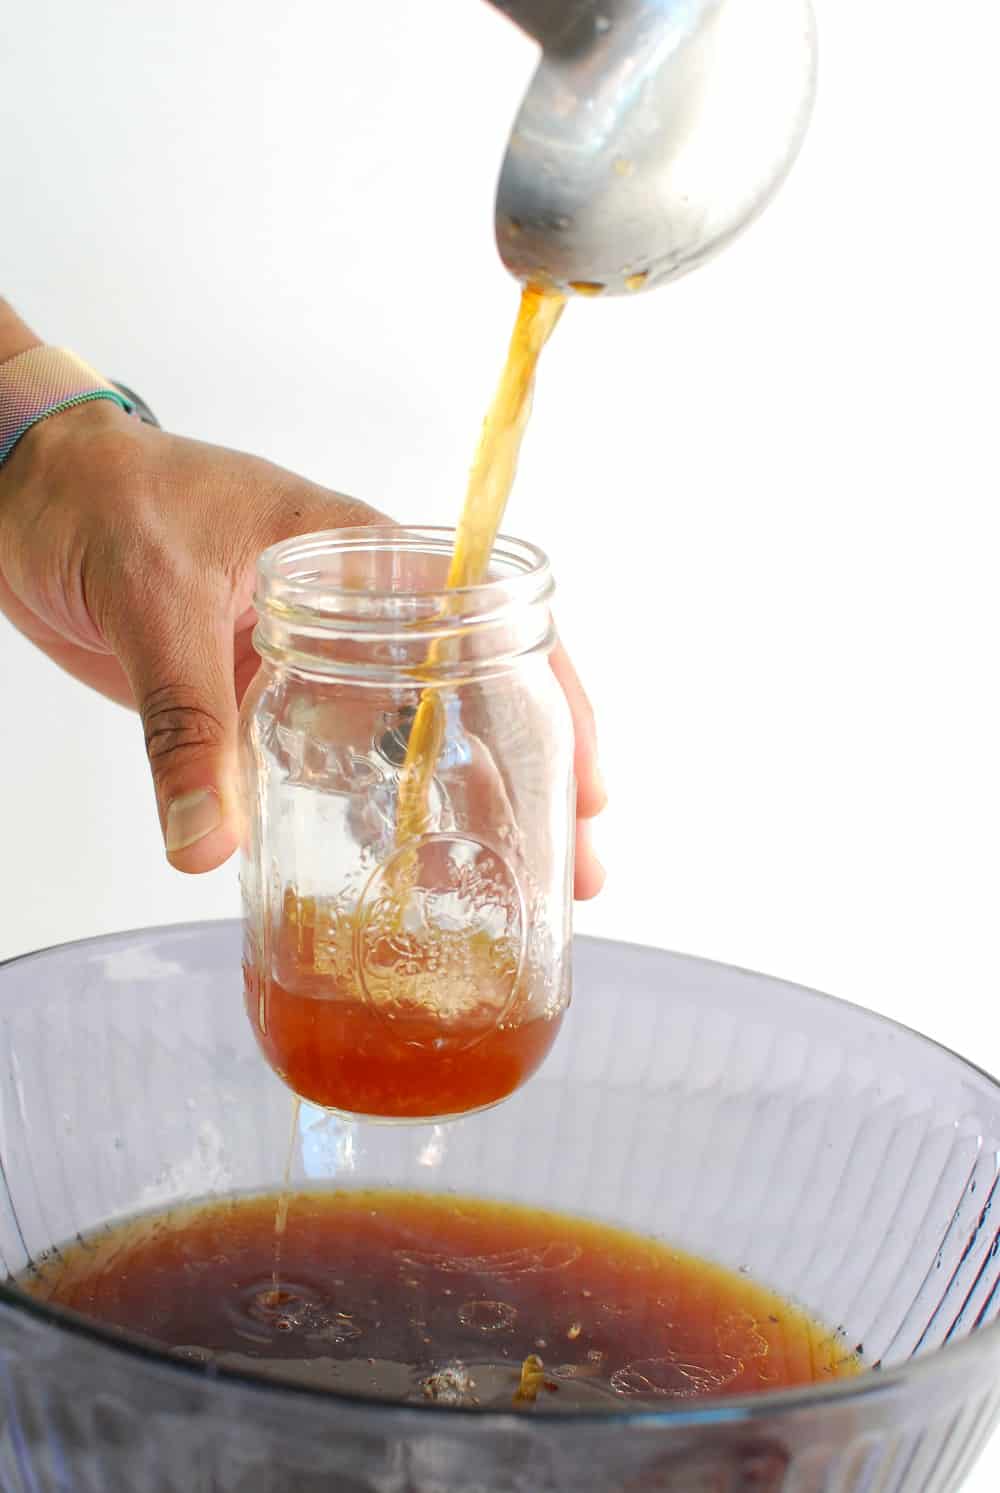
407,864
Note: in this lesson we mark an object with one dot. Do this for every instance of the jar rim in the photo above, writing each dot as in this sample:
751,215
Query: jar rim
291,583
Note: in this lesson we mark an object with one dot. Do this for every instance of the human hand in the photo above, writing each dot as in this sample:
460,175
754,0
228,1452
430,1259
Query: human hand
128,555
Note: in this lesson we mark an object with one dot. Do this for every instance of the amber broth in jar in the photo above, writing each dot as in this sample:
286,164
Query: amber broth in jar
405,1060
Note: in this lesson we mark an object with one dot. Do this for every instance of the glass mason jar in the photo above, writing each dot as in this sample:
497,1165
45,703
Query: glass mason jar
407,761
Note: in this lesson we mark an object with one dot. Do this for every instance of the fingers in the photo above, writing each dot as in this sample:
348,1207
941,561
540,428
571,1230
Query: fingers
179,663
591,795
589,875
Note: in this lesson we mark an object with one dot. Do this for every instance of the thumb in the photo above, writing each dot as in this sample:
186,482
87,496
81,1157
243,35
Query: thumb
180,668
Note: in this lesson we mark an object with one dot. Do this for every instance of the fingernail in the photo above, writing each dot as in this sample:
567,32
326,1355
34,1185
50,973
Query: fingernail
190,817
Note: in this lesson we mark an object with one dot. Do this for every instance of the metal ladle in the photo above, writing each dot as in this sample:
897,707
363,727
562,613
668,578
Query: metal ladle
652,133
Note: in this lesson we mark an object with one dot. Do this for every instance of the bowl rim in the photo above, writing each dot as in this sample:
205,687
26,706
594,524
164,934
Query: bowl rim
737,1410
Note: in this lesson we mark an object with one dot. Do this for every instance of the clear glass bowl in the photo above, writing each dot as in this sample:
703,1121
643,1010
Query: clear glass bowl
844,1160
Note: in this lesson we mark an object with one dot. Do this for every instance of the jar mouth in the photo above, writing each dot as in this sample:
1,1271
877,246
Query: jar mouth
365,577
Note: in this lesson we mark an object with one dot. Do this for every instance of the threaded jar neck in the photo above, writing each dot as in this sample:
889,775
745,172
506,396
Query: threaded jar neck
372,604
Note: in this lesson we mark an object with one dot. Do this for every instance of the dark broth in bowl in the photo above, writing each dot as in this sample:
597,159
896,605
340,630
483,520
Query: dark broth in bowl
418,1298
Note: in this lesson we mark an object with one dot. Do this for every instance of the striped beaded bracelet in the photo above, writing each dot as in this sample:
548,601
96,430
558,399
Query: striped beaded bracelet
44,380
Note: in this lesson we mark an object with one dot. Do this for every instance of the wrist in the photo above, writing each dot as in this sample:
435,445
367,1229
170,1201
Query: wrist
100,425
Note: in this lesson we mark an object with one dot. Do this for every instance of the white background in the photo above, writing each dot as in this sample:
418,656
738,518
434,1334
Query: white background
769,492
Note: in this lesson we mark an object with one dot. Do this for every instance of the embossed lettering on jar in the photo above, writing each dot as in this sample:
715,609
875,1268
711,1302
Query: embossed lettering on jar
406,913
